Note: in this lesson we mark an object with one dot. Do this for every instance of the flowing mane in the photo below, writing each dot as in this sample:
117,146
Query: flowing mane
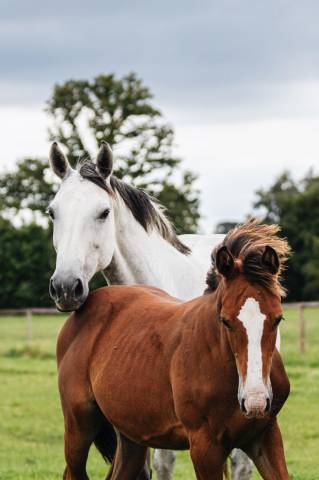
247,243
148,213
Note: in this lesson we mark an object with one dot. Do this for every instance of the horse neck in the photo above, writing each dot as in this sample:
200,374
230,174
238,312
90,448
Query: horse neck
147,258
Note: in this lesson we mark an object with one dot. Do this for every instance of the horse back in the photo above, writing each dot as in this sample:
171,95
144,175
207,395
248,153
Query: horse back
102,307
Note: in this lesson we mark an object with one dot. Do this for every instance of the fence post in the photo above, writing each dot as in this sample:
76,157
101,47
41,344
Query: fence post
302,327
29,327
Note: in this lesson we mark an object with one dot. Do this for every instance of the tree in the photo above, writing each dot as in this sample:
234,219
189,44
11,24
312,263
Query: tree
27,262
295,206
225,227
26,187
120,111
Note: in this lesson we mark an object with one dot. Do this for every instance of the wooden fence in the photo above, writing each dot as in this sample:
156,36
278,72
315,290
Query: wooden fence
29,312
302,321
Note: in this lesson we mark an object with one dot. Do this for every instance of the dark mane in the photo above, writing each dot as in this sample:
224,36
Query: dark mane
145,210
247,243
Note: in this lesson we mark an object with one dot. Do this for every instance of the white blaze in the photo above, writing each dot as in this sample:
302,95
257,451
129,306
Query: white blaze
253,321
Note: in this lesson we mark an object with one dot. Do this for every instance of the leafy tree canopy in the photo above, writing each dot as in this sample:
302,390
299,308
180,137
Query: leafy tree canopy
27,262
225,227
26,187
121,112
295,206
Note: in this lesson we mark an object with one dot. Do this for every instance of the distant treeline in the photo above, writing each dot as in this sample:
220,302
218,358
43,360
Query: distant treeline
295,207
27,257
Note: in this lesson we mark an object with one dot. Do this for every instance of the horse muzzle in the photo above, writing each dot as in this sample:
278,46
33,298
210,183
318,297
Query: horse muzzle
68,294
256,404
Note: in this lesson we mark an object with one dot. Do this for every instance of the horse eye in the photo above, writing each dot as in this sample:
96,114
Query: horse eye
227,324
104,214
50,213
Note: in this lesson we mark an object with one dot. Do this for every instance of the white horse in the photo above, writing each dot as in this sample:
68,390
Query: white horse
104,224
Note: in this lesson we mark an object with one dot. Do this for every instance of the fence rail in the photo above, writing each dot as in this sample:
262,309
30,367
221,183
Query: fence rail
29,312
301,306
298,305
24,311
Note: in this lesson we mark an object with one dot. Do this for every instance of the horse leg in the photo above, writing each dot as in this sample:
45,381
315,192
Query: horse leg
129,463
164,461
76,448
208,457
81,427
267,452
241,465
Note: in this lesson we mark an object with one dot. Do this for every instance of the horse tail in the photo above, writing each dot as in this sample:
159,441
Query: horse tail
105,441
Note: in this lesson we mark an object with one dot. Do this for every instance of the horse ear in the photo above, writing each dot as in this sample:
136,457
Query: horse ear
225,262
270,260
58,161
104,161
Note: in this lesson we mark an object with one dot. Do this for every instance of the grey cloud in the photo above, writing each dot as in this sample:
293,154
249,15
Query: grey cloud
194,55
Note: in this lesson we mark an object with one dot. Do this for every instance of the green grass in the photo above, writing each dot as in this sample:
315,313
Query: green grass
31,426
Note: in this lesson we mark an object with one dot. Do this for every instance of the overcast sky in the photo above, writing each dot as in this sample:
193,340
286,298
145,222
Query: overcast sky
239,81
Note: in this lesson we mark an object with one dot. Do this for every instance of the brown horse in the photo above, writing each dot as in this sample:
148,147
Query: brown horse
220,382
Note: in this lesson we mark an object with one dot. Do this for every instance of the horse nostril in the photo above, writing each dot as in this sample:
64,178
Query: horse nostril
78,288
52,289
242,406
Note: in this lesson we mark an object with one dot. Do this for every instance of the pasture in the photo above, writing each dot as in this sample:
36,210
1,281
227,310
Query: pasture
31,432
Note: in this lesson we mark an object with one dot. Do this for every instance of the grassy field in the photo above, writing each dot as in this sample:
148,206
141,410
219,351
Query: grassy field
31,428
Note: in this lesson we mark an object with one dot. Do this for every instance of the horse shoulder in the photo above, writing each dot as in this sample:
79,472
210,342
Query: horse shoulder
279,381
83,322
65,338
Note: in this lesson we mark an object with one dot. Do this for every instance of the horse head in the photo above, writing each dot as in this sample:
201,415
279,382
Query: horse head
83,219
246,273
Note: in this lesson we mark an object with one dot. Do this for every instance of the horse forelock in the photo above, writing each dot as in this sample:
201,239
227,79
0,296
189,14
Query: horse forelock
247,244
146,211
